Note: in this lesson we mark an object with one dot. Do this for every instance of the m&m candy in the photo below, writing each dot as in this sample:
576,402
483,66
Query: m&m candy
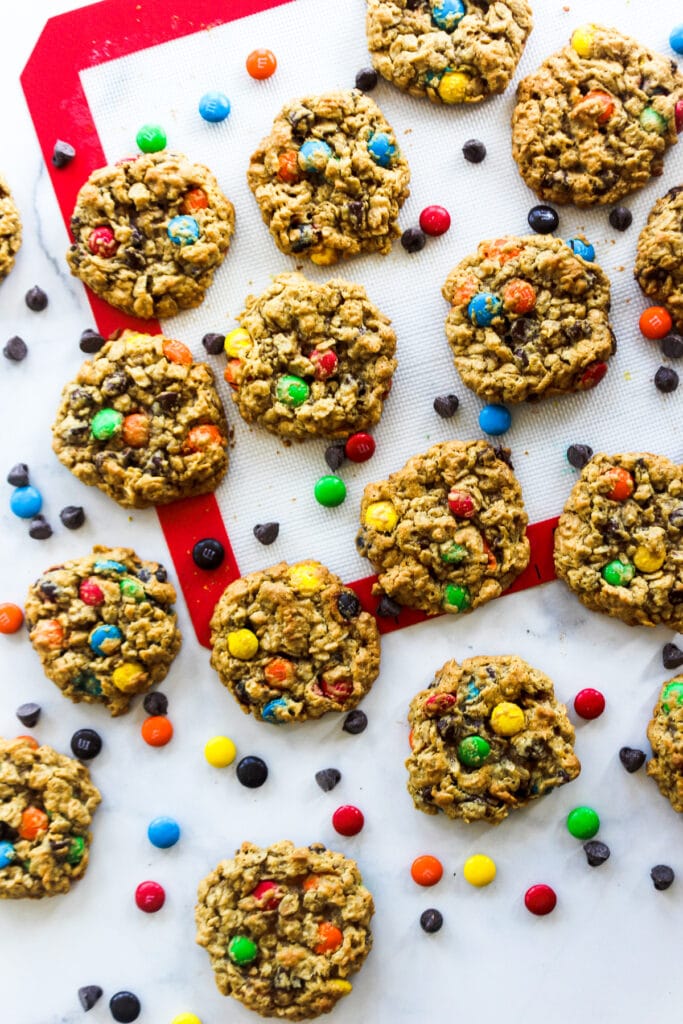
348,820
157,731
589,703
151,138
261,64
540,899
183,230
214,106
435,220
163,832
26,502
479,870
150,897
426,870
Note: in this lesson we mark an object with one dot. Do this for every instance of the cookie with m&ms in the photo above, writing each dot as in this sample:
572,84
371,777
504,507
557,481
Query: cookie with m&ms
285,927
292,642
104,626
148,233
143,422
659,261
487,737
529,317
10,229
618,542
665,733
447,532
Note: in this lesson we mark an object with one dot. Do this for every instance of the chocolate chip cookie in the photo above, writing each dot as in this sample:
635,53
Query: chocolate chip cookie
619,541
149,232
529,317
665,733
292,642
285,927
453,51
47,802
10,229
311,360
447,532
104,626
593,123
330,178
659,263
143,422
488,736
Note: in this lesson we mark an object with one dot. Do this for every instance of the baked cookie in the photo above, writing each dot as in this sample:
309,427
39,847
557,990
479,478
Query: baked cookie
10,229
619,541
487,737
311,360
149,232
103,626
659,263
285,927
593,123
453,51
529,317
665,733
447,532
143,422
330,179
292,642
47,802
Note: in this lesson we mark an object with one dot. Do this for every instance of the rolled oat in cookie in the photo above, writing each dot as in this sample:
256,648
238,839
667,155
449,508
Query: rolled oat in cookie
528,318
619,541
665,733
10,229
285,927
330,178
292,642
659,263
149,232
593,123
311,360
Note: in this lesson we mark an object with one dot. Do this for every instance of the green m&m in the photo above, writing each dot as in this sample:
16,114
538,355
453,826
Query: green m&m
618,574
583,822
131,588
672,695
473,751
76,850
454,554
242,950
291,390
330,491
455,598
151,138
105,424
652,121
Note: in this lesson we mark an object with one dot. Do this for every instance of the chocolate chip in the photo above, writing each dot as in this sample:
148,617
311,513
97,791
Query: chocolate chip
86,744
88,996
431,920
144,575
328,778
18,475
115,384
28,714
335,455
505,456
366,79
355,722
36,299
266,533
169,400
672,346
124,1007
413,239
208,553
252,771
161,575
39,529
596,852
672,656
72,516
90,341
155,703
348,604
474,151
446,405
213,343
632,758
666,379
620,218
543,219
63,153
676,596
579,454
15,349
662,876
388,609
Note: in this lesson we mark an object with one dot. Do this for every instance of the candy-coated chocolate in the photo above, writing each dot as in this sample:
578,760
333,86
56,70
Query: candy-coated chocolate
330,938
279,673
325,363
242,950
237,343
435,220
288,167
102,241
647,560
348,820
135,430
519,296
479,870
163,832
582,40
33,821
495,419
291,390
105,639
261,64
208,553
456,598
540,900
618,573
592,375
105,424
338,690
129,677
655,323
86,744
461,503
652,121
543,219
176,352
305,577
583,822
314,155
431,920
621,483
150,897
214,106
252,771
203,437
426,870
267,892
186,1018
439,703
473,751
124,1007
48,633
132,588
269,712
507,719
243,644
109,565
26,502
157,731
483,308
183,230
446,14
151,138
453,86
381,516
583,249
76,850
360,447
589,703
193,200
7,854
672,696
382,149
330,491
454,554
11,618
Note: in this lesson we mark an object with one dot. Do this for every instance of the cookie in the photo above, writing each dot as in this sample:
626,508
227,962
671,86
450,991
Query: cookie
47,802
452,51
149,232
284,927
659,262
330,179
104,626
311,360
143,422
488,736
292,642
665,733
593,123
447,532
10,229
619,541
528,318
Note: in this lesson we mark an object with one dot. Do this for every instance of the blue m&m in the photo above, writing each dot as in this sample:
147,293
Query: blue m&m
183,230
105,639
163,832
26,502
495,419
676,39
313,155
583,249
270,710
214,106
381,149
6,854
446,14
483,309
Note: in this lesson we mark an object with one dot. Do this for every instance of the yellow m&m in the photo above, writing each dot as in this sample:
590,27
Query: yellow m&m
220,751
129,677
340,986
647,560
381,516
507,719
479,870
237,343
242,644
453,87
582,40
324,258
306,577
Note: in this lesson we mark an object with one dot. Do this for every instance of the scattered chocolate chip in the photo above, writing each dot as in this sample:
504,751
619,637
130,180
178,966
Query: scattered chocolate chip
474,151
366,79
662,876
348,604
672,656
161,575
213,343
155,703
28,714
266,533
355,722
72,516
446,405
431,920
39,529
208,553
413,239
579,454
15,349
335,455
63,153
124,1007
328,778
672,346
18,475
36,299
620,218
543,219
387,608
666,379
596,852
86,744
88,996
505,455
252,771
632,758
90,341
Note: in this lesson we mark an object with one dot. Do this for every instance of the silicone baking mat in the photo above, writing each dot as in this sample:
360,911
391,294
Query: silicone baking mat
99,73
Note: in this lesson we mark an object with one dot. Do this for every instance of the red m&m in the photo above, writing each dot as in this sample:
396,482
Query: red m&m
348,820
150,897
435,220
360,447
540,900
589,703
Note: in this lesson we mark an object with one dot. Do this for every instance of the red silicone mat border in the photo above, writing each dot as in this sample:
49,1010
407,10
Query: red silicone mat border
94,35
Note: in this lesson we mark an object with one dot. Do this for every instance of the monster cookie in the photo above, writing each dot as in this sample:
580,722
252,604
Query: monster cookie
593,123
665,733
330,179
46,805
149,233
487,737
10,230
104,626
446,532
292,642
285,927
143,422
529,317
311,359
619,541
453,51
659,263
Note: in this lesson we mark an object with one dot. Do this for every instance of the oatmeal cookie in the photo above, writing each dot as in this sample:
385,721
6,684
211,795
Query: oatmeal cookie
665,733
292,642
453,51
529,317
285,927
47,802
330,179
10,229
659,263
446,532
487,737
149,232
619,541
143,422
104,626
593,123
311,360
